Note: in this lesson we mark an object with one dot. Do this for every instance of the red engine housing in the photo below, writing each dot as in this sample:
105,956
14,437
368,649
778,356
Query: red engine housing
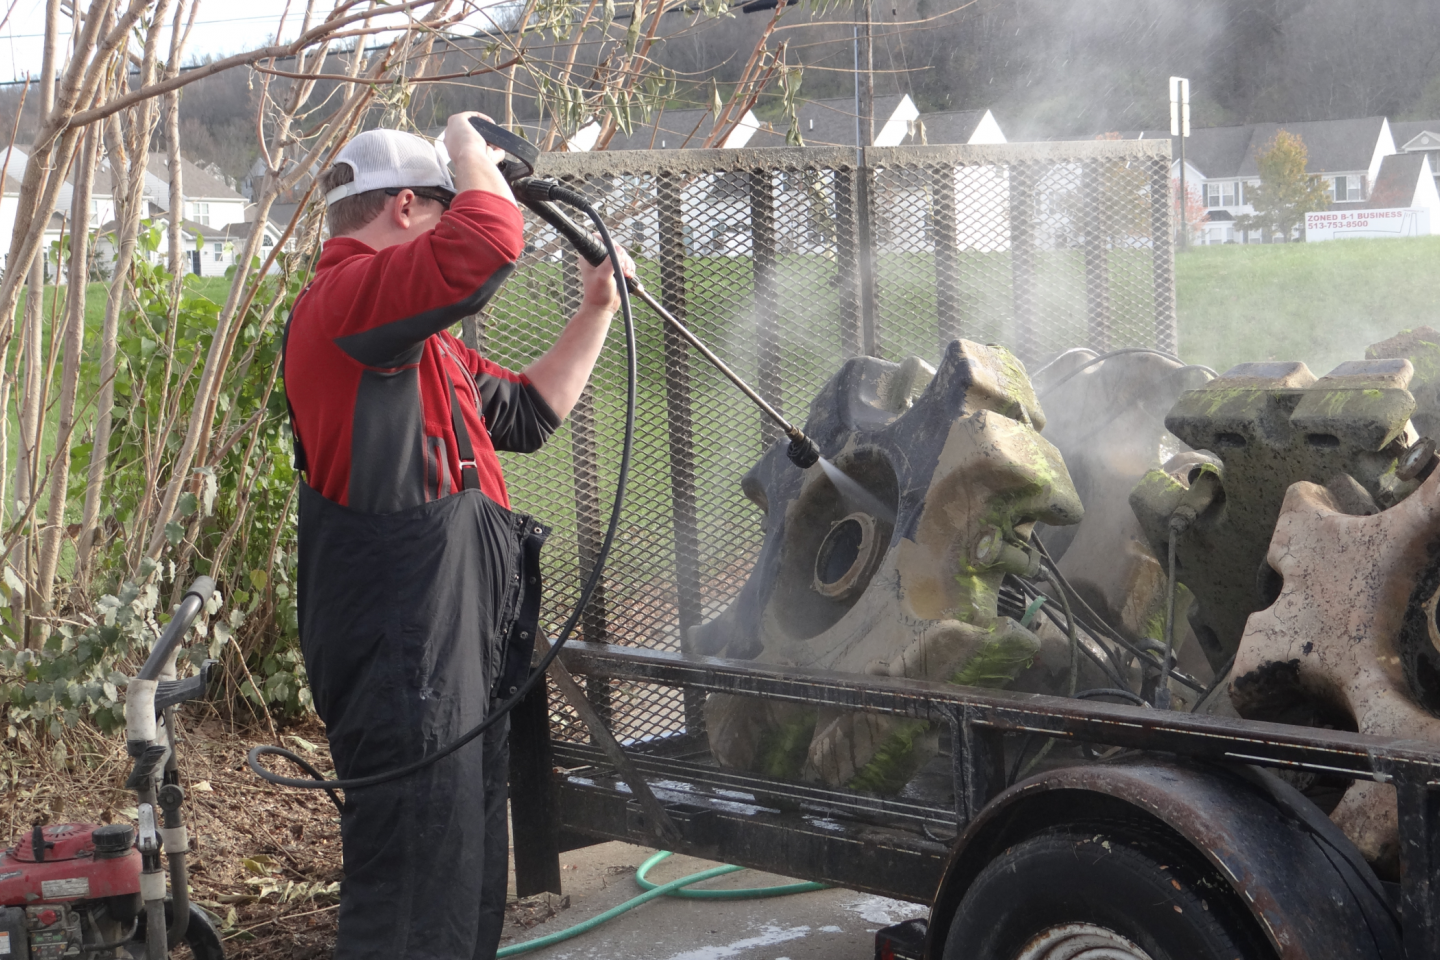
69,871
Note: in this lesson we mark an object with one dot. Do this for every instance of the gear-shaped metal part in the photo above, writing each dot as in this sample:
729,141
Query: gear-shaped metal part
950,473
1354,616
1271,425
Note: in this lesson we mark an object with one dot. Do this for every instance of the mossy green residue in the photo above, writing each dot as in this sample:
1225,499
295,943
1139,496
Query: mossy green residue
997,662
979,593
783,748
895,762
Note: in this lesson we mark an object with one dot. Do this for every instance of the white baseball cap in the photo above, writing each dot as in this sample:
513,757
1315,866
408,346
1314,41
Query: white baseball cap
386,159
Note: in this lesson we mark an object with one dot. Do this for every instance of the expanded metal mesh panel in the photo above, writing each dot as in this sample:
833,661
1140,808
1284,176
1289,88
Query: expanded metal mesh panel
787,262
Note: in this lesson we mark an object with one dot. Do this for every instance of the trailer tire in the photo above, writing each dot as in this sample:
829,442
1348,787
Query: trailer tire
1118,889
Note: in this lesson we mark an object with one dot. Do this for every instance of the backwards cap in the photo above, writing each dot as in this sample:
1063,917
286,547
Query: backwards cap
382,159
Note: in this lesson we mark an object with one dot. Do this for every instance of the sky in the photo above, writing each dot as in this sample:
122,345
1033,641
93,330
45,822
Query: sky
221,27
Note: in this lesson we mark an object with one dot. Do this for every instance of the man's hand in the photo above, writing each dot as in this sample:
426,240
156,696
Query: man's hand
599,282
474,159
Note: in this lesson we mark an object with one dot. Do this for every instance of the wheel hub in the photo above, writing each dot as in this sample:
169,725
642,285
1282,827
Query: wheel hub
1080,941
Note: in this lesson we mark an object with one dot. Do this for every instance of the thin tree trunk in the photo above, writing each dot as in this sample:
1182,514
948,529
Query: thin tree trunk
52,535
129,207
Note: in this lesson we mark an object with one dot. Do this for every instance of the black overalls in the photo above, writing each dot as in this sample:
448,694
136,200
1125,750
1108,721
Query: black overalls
412,624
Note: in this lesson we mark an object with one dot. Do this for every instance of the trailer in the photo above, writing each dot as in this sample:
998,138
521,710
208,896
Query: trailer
1183,789
1148,832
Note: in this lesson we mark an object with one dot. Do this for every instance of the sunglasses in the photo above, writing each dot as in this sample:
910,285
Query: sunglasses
439,195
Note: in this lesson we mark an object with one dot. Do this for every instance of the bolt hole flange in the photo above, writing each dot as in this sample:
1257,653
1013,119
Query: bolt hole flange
847,556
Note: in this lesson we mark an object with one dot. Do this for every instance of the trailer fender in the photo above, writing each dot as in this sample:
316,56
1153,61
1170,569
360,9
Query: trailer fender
1303,882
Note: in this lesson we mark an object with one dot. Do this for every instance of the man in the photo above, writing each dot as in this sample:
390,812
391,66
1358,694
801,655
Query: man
418,586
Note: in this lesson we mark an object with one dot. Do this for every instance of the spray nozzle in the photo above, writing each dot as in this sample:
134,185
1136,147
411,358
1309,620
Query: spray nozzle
803,451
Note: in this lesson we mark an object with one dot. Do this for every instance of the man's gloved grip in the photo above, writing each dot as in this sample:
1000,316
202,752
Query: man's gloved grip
523,151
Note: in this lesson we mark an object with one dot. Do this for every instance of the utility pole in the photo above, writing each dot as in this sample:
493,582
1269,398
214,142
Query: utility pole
864,137
1180,127
865,76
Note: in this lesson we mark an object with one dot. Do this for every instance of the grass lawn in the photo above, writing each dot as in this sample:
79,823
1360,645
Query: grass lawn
215,288
1318,302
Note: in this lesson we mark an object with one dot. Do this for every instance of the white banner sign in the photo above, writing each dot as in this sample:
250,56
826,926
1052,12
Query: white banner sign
1340,225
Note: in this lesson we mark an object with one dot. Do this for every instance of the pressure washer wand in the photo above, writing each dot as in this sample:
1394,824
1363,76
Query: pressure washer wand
541,195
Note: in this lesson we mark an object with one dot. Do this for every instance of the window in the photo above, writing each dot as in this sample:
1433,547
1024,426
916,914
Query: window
219,250
1347,189
265,241
200,213
94,213
1221,194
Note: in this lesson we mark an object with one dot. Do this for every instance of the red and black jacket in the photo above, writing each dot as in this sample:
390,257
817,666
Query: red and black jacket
389,410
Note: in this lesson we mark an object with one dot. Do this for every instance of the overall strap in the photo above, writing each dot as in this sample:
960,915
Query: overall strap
469,472
297,449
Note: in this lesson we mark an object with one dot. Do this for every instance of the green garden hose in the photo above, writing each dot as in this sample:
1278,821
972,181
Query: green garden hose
675,888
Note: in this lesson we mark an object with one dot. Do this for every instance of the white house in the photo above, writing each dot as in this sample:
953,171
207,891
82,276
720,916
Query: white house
209,201
1420,136
670,130
832,123
955,126
1223,162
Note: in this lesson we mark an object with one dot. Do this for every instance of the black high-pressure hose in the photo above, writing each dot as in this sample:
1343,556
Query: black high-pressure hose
316,781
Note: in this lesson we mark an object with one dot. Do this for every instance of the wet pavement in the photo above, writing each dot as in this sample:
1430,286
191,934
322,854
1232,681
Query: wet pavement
818,925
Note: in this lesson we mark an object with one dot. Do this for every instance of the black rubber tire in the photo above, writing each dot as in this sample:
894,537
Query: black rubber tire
200,935
1144,885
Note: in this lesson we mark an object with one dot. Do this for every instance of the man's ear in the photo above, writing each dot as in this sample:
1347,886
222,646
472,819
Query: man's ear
402,209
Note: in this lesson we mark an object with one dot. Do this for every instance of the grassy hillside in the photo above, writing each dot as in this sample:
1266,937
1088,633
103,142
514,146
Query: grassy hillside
1318,302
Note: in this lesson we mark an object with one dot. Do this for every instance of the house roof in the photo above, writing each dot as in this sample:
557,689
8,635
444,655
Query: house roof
1215,151
1399,176
673,129
1331,145
281,214
950,126
1409,133
195,182
829,123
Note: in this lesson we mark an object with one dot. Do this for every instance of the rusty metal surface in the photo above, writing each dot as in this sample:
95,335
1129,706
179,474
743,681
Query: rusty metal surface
1206,737
1296,882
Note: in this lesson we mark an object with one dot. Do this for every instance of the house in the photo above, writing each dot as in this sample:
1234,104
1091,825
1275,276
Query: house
1419,136
9,204
678,129
954,126
209,201
833,123
1223,162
